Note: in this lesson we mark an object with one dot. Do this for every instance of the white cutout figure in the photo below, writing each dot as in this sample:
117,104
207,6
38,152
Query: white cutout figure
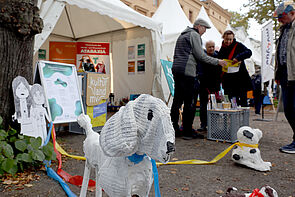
38,112
22,103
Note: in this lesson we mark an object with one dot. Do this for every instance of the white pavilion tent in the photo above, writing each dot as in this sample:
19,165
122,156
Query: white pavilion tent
107,21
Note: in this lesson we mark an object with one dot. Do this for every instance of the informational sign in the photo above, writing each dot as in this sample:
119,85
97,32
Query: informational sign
98,88
98,113
141,50
97,53
267,67
131,52
42,54
79,52
167,67
141,66
64,52
61,90
131,67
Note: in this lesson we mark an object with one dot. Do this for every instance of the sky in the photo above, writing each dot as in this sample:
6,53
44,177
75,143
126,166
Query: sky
237,5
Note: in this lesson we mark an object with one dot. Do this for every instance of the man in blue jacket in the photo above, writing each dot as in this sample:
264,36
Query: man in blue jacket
188,56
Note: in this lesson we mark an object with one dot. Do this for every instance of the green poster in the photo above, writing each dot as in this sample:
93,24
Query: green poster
141,50
42,54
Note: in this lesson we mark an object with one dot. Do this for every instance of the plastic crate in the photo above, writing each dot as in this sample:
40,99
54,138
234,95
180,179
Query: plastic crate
224,124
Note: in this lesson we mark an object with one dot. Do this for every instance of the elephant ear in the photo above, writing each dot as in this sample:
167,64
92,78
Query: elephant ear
118,137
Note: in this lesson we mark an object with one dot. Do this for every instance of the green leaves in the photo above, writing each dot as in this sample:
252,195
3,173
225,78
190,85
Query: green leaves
21,145
8,151
9,165
18,152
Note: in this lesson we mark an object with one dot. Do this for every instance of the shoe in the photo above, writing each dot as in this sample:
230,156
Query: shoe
193,136
198,136
187,137
178,134
202,129
290,148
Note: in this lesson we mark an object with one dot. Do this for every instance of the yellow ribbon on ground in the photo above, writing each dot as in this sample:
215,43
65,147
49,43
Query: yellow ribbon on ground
192,161
63,152
217,158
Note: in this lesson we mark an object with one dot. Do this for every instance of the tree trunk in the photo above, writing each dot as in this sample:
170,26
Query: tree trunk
19,22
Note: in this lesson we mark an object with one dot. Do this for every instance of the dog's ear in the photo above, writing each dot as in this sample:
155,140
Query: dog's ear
155,129
258,133
118,137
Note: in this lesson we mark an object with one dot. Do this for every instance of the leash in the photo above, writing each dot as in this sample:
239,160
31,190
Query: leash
217,158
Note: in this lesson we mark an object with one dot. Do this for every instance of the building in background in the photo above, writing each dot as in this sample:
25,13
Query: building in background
219,16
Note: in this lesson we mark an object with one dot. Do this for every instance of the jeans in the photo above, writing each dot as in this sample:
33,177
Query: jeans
288,94
203,106
185,92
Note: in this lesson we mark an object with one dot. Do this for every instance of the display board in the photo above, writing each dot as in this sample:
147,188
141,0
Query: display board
62,94
98,88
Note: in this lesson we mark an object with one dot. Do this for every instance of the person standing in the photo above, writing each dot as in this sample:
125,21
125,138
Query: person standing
188,55
257,92
209,83
285,64
238,83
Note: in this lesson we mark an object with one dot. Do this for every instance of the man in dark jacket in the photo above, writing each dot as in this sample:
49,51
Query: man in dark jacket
187,57
210,79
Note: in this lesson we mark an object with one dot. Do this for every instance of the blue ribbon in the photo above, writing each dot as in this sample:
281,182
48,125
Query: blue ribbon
135,158
156,179
51,173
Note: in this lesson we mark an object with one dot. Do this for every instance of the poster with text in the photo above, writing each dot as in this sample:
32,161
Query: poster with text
97,53
141,66
64,52
131,52
98,88
131,67
61,90
141,50
98,113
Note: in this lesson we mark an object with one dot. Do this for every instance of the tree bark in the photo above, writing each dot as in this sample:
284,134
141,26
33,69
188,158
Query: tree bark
19,22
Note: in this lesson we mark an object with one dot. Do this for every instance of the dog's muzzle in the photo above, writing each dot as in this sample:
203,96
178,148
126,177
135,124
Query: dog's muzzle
170,147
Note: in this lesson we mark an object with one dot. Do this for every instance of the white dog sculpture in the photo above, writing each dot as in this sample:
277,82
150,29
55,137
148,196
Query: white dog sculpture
247,155
121,154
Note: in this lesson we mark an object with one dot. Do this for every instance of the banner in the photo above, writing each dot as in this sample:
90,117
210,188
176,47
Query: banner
97,53
64,52
267,67
98,88
79,52
167,67
98,113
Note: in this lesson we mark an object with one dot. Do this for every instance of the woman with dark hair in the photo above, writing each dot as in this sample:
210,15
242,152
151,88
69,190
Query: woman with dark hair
238,83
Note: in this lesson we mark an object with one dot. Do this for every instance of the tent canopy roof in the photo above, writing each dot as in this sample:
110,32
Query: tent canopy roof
172,16
105,16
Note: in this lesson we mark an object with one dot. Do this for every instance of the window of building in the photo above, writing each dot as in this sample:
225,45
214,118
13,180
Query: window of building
213,12
141,10
156,3
181,6
219,17
190,15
